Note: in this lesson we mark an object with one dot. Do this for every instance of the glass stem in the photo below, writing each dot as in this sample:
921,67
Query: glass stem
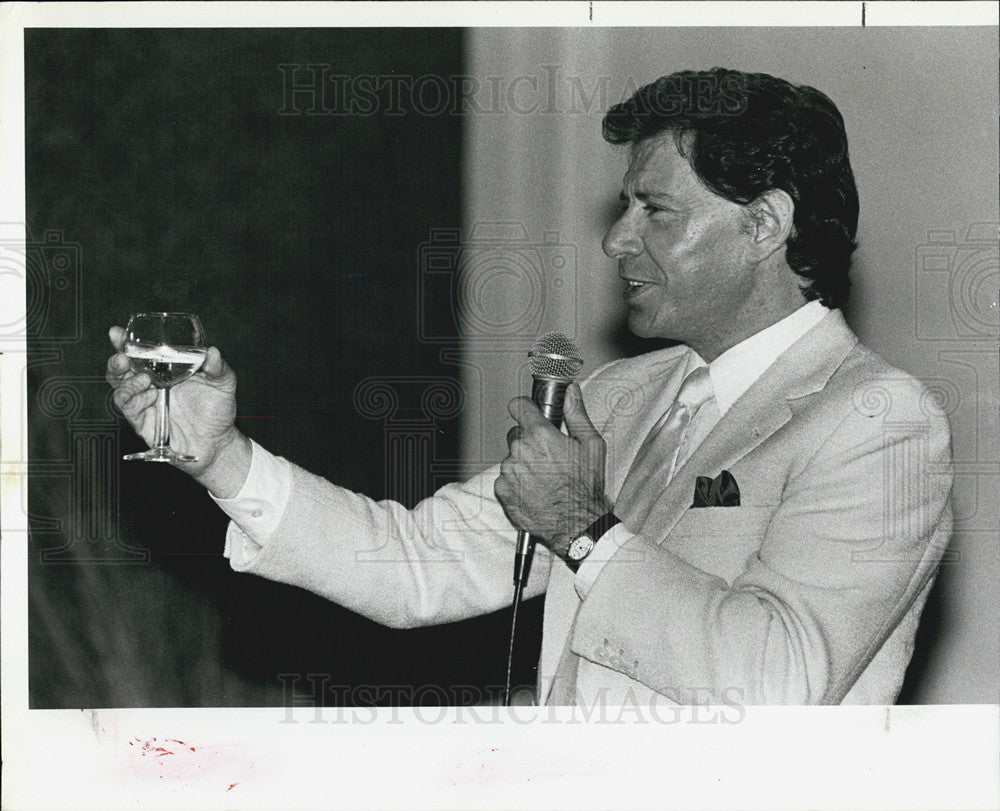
162,437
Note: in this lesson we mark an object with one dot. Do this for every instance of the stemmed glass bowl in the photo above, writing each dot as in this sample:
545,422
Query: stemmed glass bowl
169,347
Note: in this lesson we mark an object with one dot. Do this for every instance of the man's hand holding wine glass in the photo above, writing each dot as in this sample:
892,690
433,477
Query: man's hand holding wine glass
202,416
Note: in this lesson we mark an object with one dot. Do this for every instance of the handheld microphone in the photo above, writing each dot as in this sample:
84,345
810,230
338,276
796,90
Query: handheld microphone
555,362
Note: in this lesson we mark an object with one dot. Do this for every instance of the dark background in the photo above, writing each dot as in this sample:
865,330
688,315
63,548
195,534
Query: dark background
161,176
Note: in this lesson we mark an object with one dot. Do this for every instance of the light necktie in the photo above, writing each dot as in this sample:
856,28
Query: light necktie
666,447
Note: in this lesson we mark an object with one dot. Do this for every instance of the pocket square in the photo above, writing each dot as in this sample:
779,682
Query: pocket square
718,492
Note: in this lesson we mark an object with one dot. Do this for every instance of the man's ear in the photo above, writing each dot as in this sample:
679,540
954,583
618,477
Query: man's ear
771,222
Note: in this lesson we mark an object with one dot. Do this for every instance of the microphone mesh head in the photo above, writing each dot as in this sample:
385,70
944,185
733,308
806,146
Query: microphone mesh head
555,355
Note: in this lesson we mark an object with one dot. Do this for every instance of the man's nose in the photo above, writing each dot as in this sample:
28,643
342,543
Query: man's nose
622,238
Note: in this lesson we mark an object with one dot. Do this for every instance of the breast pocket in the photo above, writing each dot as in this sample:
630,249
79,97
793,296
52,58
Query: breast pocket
719,540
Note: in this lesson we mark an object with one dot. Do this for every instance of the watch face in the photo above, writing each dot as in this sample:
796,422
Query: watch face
580,547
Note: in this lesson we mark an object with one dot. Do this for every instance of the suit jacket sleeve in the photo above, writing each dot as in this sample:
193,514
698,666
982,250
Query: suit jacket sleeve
856,538
449,558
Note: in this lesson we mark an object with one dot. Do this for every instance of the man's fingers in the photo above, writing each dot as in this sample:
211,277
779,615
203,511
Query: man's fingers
130,386
575,414
513,434
117,336
214,366
526,413
132,403
118,367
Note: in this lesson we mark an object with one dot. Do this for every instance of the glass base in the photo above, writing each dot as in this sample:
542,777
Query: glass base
159,455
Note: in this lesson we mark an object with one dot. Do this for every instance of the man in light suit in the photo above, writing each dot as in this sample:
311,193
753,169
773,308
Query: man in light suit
755,515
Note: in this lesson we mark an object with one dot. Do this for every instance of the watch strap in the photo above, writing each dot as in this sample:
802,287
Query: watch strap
601,525
595,532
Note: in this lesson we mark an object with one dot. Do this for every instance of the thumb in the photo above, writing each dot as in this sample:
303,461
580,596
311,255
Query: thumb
575,414
214,366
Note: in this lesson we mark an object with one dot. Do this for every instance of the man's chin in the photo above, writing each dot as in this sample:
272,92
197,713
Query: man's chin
635,323
642,328
639,325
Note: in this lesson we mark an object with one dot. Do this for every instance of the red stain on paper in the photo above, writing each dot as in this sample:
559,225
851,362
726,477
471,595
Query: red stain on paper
179,763
149,748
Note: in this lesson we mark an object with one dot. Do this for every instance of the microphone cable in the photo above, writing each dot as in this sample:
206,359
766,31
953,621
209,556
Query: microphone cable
513,631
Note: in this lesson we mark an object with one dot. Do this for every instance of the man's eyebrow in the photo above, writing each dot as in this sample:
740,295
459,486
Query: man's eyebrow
647,195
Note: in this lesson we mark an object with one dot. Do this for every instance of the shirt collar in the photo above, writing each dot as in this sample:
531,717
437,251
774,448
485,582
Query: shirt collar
739,367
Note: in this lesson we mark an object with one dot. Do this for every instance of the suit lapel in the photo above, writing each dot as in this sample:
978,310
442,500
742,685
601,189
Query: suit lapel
803,369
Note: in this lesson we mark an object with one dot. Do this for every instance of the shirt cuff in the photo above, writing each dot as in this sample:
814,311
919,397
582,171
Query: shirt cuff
606,547
257,508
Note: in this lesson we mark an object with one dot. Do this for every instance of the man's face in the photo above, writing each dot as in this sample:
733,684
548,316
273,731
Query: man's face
681,249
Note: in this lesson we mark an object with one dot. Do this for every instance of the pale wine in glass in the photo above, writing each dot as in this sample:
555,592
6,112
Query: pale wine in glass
169,347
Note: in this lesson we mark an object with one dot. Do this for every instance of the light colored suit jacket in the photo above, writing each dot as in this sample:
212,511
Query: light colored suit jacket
808,592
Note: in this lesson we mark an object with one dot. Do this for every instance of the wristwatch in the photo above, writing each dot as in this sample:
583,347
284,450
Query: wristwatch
583,545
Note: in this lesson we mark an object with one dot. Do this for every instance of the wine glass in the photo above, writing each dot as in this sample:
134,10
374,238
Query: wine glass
169,347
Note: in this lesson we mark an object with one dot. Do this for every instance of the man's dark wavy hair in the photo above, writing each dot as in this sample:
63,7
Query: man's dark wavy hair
746,133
